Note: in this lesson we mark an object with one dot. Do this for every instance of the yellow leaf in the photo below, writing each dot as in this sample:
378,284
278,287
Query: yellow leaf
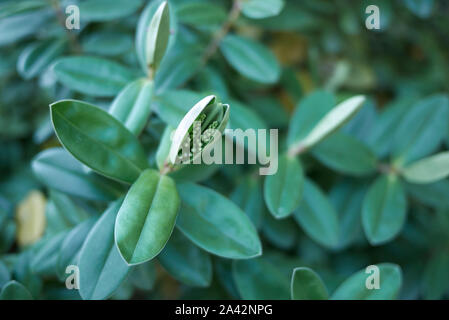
289,48
30,216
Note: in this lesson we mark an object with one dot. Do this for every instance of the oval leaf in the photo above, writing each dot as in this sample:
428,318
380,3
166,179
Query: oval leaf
143,276
14,290
307,285
384,210
177,68
5,275
317,216
422,129
250,58
147,217
132,106
71,246
283,190
428,170
200,13
332,121
38,56
259,9
57,169
186,262
343,153
93,76
282,233
157,37
101,268
308,113
258,279
45,259
98,140
216,224
248,195
106,10
355,287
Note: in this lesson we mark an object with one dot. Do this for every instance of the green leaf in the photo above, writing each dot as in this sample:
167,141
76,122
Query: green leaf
106,10
345,154
216,224
147,217
251,59
331,122
379,139
258,279
436,279
57,169
307,285
384,210
248,196
354,288
177,68
428,170
143,276
62,214
5,275
421,8
259,9
157,37
71,247
243,117
317,216
283,190
36,57
347,197
93,76
422,130
142,31
44,260
132,106
224,274
200,13
107,43
308,113
22,273
22,25
9,8
432,194
14,290
101,268
194,172
7,232
98,140
282,233
172,105
186,262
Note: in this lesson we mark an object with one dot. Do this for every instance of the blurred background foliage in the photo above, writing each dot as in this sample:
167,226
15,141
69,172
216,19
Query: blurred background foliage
320,45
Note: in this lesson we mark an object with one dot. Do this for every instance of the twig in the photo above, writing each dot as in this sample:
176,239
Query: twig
233,15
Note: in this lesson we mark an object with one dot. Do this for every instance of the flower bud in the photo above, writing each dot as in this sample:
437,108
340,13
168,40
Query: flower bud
200,127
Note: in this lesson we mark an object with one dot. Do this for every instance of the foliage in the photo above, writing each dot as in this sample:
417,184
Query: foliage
91,181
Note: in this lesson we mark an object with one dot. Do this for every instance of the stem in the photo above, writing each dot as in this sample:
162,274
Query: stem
233,15
386,168
167,168
296,150
73,40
